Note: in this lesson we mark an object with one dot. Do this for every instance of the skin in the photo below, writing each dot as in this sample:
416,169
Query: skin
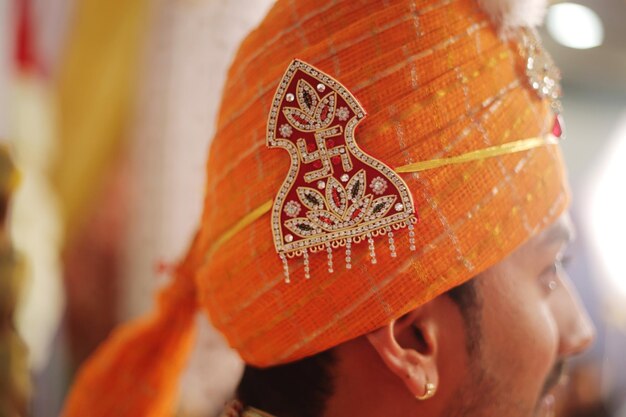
528,322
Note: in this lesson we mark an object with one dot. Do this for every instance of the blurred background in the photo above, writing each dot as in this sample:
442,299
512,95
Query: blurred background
106,113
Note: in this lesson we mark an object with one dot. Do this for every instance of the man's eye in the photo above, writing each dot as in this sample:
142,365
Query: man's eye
558,265
563,262
549,277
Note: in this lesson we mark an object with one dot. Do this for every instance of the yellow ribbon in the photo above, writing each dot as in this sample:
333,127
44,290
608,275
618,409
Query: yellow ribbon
490,152
244,222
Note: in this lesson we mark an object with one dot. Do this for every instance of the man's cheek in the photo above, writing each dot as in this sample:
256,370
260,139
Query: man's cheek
524,342
538,353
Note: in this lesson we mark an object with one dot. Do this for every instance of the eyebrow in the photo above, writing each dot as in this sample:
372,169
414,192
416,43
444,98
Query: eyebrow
559,233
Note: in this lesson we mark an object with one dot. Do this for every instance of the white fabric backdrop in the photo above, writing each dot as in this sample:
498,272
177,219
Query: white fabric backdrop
189,50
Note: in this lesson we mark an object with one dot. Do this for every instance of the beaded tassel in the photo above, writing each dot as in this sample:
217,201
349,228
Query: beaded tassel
411,237
349,253
285,268
307,271
370,241
329,252
392,246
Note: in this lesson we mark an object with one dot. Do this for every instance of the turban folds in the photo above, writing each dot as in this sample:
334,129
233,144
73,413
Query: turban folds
436,80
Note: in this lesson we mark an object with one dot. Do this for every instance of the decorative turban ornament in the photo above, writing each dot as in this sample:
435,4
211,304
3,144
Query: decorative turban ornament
346,194
461,131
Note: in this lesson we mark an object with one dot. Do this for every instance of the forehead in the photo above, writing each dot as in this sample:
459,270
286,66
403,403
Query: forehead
557,234
503,283
561,231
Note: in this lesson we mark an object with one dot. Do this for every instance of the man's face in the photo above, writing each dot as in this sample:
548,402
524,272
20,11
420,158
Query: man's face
530,322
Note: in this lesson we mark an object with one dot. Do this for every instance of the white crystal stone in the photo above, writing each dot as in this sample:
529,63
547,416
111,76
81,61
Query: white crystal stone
289,97
399,206
345,177
321,87
321,185
288,238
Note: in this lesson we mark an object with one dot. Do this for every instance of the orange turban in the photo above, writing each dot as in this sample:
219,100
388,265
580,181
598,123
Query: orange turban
437,81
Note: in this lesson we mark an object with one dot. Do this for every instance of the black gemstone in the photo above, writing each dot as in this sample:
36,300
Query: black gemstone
312,199
355,189
308,100
378,207
305,227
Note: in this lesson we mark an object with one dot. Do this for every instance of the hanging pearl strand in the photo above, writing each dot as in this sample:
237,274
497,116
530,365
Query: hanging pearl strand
307,271
372,249
411,237
392,246
349,253
329,255
285,268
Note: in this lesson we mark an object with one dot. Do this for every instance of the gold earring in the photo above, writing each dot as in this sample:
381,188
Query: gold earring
429,391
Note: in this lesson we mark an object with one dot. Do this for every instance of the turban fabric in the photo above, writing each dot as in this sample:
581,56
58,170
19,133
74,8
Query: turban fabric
436,80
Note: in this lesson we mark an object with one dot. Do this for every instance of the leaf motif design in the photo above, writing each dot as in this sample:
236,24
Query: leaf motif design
356,186
357,211
307,97
324,219
302,227
380,207
325,111
299,119
336,197
311,198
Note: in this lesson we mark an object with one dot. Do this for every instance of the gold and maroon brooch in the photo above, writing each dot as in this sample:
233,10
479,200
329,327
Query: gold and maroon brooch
335,195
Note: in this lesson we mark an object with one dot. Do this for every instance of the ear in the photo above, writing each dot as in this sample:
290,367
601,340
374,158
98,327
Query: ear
414,362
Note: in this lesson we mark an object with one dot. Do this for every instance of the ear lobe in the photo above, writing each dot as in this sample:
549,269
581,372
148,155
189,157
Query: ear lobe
414,368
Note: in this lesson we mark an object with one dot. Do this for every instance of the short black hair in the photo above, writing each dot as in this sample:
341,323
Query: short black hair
302,388
467,298
296,389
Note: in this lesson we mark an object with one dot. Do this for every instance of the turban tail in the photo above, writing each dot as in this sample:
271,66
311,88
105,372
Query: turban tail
137,370
436,80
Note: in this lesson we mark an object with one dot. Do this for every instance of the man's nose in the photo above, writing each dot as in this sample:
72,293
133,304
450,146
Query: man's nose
577,332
